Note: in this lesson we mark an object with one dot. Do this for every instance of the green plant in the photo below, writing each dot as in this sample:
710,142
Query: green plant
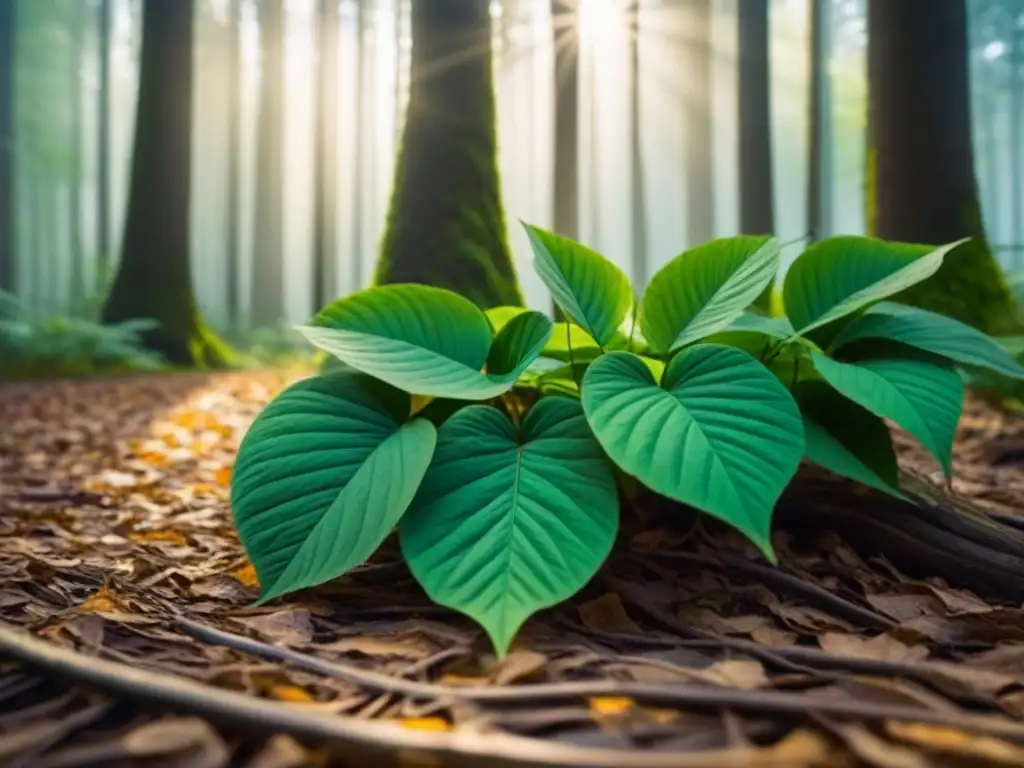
33,344
489,439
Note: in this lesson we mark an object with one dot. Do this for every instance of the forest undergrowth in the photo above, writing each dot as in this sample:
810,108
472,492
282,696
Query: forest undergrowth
116,541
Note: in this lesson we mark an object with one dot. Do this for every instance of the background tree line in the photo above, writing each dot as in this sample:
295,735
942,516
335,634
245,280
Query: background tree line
256,158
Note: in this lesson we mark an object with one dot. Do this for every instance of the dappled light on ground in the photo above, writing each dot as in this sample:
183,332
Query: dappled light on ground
116,540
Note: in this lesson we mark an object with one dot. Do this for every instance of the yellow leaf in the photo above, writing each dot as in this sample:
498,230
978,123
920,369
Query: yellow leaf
432,724
290,693
223,476
450,679
418,402
166,537
610,705
101,602
246,576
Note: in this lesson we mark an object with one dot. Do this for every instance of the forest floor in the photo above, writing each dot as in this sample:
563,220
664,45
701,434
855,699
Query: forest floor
116,542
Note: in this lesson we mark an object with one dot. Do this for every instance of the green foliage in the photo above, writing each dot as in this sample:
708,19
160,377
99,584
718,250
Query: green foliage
36,345
692,391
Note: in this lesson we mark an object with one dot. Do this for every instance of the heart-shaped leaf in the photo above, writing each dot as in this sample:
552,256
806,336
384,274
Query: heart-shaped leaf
922,397
323,475
506,524
591,291
428,341
837,276
704,289
846,439
933,333
721,434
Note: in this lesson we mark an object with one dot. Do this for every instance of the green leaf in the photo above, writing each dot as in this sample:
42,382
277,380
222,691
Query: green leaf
933,333
701,291
507,524
846,439
837,276
922,397
322,477
752,322
500,316
428,341
591,291
723,435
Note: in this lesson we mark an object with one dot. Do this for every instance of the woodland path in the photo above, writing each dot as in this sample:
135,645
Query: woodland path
118,552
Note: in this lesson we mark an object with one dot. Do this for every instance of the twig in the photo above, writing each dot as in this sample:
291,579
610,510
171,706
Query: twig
486,749
786,582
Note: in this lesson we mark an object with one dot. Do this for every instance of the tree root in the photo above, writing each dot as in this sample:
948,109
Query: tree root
935,532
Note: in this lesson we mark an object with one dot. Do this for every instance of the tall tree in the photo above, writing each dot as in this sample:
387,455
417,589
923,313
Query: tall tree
233,246
757,199
267,303
819,170
638,203
565,29
1017,124
697,66
325,149
8,256
359,192
921,183
446,225
104,22
154,279
76,20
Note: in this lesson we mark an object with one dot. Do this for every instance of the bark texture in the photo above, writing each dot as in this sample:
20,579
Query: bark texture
446,226
921,182
154,279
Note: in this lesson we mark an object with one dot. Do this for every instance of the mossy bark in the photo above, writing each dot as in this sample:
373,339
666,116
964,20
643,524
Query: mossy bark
154,278
446,226
921,182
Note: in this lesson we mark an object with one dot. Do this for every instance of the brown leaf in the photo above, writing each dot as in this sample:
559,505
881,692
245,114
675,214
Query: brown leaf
291,626
607,614
883,647
981,750
519,665
735,673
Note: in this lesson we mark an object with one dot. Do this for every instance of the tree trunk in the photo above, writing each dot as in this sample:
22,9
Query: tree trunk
154,278
638,203
359,192
819,167
922,186
565,30
757,199
446,226
700,167
267,305
104,247
76,96
232,246
325,245
1017,131
8,254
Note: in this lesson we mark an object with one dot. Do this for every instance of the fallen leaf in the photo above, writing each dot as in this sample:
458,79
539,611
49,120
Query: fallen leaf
290,693
102,601
292,626
517,666
883,647
430,724
607,614
735,673
164,537
246,576
981,750
610,706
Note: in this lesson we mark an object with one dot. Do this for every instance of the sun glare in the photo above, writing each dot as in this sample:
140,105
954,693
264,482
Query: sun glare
600,20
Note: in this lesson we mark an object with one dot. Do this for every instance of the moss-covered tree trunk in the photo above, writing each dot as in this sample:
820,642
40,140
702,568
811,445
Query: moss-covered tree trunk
8,14
565,39
922,186
154,279
446,226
